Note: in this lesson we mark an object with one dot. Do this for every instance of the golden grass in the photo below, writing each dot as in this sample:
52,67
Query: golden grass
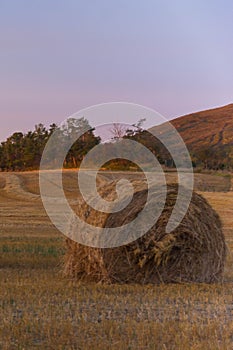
40,309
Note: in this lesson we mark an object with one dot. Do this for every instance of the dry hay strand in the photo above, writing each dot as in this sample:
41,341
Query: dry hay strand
194,252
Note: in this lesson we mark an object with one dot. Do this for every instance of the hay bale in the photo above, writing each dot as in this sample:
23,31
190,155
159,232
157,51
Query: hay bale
194,252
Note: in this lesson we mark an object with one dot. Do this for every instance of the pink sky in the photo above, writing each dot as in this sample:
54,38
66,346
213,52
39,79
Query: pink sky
59,57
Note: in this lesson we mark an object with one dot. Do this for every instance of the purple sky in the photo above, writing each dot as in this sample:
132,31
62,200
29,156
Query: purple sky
57,57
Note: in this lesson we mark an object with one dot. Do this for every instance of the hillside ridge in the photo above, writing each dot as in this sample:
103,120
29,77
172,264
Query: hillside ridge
208,128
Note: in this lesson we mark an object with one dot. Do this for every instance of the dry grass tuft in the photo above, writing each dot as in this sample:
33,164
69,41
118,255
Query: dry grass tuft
194,252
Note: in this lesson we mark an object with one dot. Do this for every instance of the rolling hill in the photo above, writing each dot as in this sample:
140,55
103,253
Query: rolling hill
208,136
211,128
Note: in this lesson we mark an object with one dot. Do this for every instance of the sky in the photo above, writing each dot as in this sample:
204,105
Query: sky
59,56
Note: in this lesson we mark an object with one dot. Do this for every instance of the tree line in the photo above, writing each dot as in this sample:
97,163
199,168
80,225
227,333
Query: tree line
23,151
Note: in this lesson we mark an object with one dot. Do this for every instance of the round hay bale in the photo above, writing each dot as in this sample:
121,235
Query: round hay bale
194,252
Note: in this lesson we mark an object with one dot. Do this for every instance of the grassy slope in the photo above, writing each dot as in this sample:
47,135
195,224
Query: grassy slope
42,309
207,128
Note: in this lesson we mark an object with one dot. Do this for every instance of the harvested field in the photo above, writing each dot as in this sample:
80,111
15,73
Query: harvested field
42,309
202,182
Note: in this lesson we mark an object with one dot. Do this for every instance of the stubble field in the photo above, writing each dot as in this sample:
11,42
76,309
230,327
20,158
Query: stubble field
41,309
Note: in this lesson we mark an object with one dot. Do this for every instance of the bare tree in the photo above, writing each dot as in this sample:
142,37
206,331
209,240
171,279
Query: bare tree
118,131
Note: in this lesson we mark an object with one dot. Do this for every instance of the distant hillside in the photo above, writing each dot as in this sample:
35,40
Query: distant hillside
211,128
208,136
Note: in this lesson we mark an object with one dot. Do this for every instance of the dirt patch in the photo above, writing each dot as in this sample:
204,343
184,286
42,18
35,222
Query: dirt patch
2,182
